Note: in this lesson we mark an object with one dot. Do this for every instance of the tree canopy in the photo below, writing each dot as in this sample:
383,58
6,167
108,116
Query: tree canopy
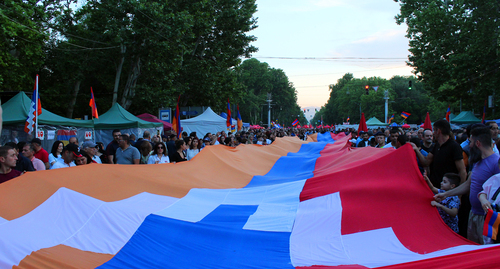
259,80
141,54
455,47
348,99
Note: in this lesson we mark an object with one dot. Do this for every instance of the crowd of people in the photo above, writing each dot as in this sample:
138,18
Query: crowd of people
17,157
462,167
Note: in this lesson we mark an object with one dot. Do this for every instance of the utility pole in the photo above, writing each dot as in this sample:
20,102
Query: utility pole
269,110
386,98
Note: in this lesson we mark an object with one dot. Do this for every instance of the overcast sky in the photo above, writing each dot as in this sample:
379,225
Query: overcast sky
324,29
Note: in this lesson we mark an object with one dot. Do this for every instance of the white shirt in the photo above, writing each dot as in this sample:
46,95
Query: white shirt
153,159
62,165
191,153
96,159
389,146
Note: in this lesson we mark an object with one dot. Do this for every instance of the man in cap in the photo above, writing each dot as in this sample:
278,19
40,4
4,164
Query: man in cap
380,140
89,147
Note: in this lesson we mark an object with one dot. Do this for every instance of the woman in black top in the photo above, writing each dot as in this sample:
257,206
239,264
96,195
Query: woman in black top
179,156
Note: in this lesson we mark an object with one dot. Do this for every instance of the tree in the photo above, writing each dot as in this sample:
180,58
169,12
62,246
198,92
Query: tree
23,33
143,54
455,47
259,80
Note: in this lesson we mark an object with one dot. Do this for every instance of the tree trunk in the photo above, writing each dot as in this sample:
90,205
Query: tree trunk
71,105
129,90
119,69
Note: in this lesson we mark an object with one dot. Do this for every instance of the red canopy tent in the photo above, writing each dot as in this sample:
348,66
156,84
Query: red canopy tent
151,118
406,126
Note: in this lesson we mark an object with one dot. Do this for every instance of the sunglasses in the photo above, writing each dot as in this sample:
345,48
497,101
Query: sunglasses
161,147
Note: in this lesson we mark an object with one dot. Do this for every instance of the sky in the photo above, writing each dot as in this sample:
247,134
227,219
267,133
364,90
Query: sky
312,32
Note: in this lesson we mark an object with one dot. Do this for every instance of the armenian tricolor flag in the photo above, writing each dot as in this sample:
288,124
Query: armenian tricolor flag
491,222
391,118
296,205
295,122
92,104
405,114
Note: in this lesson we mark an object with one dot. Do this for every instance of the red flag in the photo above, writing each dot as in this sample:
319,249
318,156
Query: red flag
176,121
228,120
448,112
93,105
362,124
427,123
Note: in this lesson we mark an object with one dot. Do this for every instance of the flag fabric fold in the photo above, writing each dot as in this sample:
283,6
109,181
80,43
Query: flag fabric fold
35,111
93,105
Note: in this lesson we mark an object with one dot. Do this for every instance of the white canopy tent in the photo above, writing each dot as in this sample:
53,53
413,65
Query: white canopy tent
208,122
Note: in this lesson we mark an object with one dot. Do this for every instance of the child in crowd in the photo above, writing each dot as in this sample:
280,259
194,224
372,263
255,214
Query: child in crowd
448,208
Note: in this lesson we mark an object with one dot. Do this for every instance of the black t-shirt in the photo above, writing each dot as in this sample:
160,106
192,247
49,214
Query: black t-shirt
444,160
427,149
176,157
111,149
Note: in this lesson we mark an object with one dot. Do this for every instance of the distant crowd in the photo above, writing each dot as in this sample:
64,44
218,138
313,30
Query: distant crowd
17,157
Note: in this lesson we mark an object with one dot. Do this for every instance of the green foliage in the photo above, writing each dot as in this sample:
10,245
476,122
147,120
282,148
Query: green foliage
348,98
259,79
140,53
23,33
455,47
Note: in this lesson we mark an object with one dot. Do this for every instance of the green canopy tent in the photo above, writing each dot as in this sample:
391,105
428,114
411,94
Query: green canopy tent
375,122
119,118
465,117
53,126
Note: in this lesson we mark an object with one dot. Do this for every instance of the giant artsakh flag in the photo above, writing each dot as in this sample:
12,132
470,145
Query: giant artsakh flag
292,204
